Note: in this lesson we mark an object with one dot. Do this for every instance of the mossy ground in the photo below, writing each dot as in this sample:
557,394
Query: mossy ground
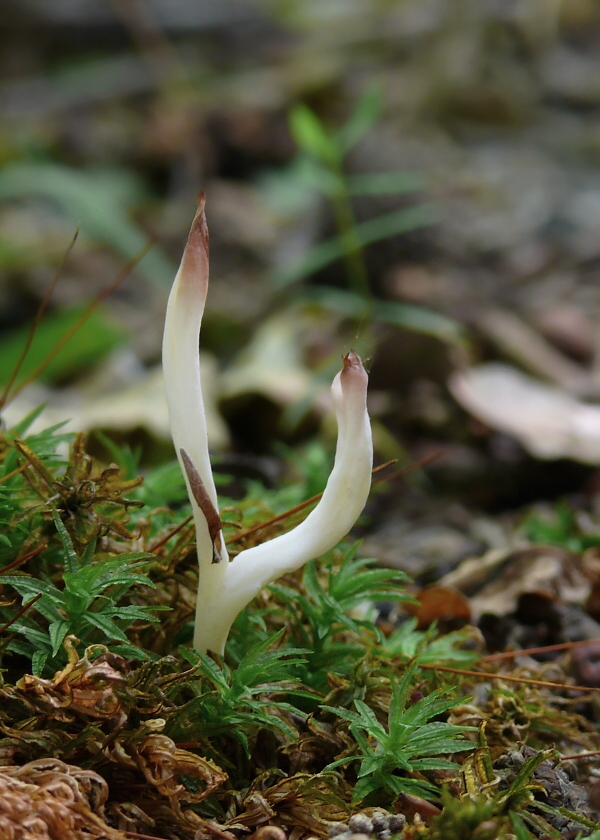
113,727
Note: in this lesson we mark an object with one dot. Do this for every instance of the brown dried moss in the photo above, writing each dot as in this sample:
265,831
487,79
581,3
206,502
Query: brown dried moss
50,800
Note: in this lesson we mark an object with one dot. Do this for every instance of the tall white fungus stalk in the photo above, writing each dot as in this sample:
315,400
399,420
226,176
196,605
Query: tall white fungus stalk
225,587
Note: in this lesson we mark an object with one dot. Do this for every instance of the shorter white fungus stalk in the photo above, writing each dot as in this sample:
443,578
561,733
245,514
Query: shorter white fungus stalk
226,587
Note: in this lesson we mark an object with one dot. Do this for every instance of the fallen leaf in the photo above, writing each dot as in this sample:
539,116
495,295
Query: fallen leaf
546,420
101,403
448,607
547,571
271,364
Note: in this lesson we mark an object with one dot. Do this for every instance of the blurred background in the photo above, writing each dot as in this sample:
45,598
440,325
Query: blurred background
416,179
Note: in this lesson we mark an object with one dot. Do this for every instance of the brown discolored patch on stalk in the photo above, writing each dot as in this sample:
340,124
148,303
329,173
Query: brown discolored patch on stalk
194,264
213,520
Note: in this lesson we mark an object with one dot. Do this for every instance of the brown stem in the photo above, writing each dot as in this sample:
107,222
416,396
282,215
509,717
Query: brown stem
511,654
68,335
507,678
313,499
575,756
21,612
20,560
172,533
13,473
138,836
36,321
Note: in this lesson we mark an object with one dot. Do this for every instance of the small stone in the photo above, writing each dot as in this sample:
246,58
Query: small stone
384,834
361,824
359,836
336,829
585,661
380,820
396,823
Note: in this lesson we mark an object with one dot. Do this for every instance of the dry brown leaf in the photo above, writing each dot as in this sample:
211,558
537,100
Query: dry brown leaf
448,607
544,570
547,421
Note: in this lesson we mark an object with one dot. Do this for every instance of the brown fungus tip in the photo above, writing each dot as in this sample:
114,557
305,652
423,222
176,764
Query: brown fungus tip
352,360
199,230
353,375
194,265
353,367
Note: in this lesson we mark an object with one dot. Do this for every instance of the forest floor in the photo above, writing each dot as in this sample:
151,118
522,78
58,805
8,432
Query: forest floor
454,243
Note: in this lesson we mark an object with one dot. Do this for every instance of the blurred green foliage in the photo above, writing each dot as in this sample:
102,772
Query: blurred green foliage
84,349
562,527
318,171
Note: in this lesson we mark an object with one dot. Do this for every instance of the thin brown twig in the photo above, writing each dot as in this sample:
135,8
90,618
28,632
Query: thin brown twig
273,520
185,522
14,472
313,499
21,612
36,321
410,468
507,678
125,272
383,466
575,756
20,560
511,654
172,533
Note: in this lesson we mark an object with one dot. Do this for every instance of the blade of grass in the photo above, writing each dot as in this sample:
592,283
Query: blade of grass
125,272
36,321
373,230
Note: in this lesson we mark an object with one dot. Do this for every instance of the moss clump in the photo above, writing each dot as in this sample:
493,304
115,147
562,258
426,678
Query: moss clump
313,714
